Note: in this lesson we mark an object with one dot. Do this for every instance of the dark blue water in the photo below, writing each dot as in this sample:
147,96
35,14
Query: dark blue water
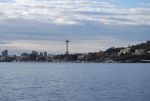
74,82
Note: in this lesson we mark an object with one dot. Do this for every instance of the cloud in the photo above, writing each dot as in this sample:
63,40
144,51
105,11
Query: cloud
71,11
90,24
144,4
2,42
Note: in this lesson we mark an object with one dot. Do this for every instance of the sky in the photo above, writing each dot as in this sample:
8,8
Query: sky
90,25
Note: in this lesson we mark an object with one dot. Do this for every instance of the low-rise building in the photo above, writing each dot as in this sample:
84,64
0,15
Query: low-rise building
82,57
124,51
139,51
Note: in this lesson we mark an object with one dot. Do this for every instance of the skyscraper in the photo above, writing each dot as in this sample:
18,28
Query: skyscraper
45,54
41,54
34,52
5,53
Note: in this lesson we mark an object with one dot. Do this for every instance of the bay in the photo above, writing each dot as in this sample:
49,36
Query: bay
74,82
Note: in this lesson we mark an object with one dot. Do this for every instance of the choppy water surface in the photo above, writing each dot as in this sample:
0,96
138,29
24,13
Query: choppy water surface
74,82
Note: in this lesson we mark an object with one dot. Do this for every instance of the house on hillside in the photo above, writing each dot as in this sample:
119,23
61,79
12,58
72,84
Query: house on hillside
139,51
124,51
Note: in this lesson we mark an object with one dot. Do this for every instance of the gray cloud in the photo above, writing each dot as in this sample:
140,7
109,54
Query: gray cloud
144,4
29,24
1,14
33,30
2,42
55,12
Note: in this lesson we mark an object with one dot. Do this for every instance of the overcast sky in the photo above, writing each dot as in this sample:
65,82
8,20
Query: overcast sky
90,25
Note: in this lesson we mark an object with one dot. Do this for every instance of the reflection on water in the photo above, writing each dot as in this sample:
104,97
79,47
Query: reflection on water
74,82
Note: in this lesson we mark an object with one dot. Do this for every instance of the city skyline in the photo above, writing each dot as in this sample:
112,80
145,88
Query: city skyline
90,25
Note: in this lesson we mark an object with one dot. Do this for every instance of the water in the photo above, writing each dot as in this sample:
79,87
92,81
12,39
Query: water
74,82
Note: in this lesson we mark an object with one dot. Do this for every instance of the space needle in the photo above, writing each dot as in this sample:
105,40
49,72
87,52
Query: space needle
67,47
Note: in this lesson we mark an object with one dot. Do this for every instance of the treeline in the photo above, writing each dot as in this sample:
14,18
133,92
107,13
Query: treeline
135,54
132,53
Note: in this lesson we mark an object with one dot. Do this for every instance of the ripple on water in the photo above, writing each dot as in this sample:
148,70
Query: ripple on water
75,82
